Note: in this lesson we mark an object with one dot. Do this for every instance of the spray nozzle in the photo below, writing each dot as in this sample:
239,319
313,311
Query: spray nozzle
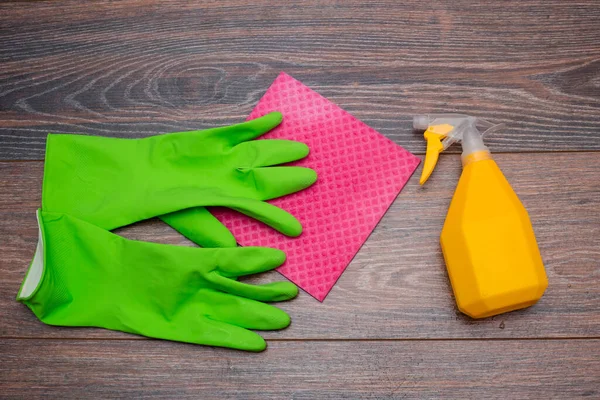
442,130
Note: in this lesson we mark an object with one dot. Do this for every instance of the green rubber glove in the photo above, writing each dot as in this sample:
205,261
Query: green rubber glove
82,275
114,182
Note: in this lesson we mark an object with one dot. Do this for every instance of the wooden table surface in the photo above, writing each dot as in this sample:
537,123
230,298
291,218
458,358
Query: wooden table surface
390,327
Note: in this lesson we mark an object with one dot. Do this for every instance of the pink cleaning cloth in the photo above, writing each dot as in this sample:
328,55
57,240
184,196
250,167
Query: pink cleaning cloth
360,173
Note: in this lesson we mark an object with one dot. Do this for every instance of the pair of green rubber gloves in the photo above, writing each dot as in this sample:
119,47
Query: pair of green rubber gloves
84,275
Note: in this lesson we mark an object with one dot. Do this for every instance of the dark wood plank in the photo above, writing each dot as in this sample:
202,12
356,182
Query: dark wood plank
556,369
140,68
396,287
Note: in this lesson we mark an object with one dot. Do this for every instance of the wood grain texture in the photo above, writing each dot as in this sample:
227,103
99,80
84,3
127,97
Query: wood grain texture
136,68
556,369
397,286
390,328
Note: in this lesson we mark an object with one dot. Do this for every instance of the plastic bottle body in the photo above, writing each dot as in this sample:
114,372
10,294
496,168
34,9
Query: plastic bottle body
489,246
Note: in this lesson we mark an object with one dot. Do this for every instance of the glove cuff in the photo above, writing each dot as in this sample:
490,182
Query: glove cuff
35,273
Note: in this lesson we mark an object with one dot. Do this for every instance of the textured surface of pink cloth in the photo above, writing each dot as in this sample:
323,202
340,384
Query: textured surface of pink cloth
360,173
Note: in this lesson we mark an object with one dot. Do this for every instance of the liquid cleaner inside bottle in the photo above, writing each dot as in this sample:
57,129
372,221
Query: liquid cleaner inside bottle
489,245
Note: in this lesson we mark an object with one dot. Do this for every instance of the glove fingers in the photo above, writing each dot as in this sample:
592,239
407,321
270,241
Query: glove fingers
274,291
248,260
242,312
264,153
201,227
216,333
249,130
268,214
273,182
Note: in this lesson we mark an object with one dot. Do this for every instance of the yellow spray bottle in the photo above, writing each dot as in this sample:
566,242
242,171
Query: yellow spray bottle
488,243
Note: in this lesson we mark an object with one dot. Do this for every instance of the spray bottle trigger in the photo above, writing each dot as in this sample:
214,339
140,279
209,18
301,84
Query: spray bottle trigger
434,135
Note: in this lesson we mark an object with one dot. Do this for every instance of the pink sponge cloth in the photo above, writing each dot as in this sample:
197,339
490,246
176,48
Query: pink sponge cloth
360,173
